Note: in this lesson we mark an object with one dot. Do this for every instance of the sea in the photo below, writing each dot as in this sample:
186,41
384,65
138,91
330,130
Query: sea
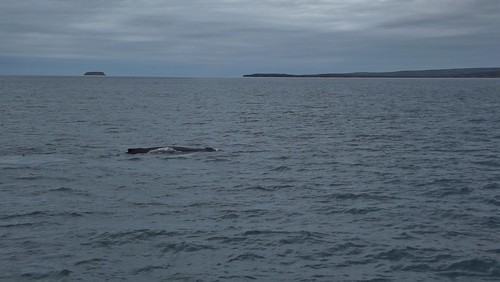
314,179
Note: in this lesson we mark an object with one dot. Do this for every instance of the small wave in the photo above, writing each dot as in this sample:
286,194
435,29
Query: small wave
280,158
93,261
494,251
48,275
494,202
121,238
376,279
29,160
361,210
317,266
147,269
261,232
114,130
202,204
238,278
38,214
254,212
217,159
283,186
287,237
477,267
134,159
246,257
20,224
349,248
356,196
420,267
492,222
62,189
20,215
228,240
281,168
403,236
260,188
488,163
33,177
182,247
345,196
492,186
148,204
351,262
394,255
449,191
229,215
478,120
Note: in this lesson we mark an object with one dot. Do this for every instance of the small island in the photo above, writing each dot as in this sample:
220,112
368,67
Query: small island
94,73
439,73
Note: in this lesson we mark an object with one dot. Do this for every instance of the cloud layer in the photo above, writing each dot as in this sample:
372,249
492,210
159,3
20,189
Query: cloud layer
229,36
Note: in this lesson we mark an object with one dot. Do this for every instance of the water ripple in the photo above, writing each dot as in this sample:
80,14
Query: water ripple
316,179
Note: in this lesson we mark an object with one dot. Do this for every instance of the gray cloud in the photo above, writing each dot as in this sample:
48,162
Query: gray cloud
257,35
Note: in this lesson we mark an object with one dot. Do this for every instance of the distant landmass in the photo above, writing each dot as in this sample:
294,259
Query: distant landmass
94,73
439,73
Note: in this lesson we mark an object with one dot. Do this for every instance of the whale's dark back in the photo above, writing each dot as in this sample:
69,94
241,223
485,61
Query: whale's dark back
141,150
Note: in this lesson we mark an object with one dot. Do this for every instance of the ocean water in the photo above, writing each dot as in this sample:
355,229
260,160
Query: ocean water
313,180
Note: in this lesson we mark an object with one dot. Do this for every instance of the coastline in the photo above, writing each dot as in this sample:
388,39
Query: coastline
435,73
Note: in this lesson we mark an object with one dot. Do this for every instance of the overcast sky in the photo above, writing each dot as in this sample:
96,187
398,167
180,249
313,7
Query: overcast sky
235,37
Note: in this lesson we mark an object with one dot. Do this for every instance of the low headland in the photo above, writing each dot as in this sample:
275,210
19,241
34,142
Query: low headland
438,73
94,73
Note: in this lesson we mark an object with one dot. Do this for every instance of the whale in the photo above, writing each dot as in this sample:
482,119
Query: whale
169,149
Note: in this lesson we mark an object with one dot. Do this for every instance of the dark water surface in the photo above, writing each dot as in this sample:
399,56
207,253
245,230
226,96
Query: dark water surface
315,180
